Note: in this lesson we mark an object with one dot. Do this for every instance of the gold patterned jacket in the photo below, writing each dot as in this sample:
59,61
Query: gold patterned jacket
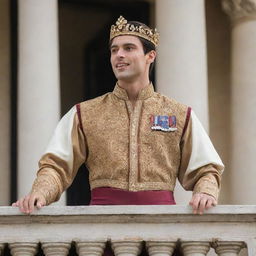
123,147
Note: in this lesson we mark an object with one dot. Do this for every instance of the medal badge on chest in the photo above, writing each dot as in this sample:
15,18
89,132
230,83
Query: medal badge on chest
163,123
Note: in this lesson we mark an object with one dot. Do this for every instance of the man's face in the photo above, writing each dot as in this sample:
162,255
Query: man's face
129,63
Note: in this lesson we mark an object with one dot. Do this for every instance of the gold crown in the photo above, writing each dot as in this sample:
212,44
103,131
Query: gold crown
123,28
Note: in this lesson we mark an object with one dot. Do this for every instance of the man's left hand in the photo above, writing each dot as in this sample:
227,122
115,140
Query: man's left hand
201,202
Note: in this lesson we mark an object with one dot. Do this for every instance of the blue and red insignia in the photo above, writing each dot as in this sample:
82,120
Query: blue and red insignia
163,123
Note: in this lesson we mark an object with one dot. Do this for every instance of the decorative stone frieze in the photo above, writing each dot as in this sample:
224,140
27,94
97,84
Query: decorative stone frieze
23,249
90,248
60,249
160,248
126,248
237,9
195,248
228,248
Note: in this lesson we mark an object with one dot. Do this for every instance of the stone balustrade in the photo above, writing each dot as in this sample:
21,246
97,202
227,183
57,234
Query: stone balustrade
127,229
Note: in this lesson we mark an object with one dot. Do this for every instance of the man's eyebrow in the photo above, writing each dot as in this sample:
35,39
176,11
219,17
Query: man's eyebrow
126,44
113,46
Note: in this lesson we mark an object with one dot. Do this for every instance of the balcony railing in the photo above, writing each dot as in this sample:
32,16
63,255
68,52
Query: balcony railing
227,229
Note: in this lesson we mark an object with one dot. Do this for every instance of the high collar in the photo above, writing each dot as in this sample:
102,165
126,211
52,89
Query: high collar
144,93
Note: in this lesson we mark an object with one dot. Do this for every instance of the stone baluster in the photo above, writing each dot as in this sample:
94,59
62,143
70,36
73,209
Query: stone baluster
60,249
23,249
1,248
126,248
90,248
160,248
228,248
195,248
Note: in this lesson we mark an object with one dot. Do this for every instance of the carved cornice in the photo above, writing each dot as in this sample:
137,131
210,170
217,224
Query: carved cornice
238,9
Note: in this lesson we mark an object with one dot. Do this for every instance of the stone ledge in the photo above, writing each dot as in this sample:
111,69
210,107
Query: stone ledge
131,213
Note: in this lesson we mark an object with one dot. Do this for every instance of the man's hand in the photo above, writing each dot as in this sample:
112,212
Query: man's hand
27,204
201,202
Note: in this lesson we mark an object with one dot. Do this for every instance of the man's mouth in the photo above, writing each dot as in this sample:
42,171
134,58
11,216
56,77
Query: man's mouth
121,65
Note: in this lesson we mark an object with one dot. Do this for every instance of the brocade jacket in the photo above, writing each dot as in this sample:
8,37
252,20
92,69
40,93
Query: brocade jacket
141,147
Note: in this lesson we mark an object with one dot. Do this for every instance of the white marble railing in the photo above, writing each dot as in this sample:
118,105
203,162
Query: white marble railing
227,229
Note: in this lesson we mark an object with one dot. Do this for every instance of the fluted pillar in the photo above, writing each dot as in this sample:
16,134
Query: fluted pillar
126,248
181,61
90,248
160,248
23,249
195,248
243,147
5,106
228,248
52,249
38,85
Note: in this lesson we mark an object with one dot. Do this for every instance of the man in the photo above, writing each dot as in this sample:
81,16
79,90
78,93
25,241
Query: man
134,141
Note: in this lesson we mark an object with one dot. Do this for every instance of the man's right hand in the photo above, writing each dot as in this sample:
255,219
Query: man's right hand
28,203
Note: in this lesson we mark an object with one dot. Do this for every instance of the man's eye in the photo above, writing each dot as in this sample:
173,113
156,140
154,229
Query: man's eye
113,50
128,48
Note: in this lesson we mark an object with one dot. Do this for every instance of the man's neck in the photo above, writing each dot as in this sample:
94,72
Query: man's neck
133,88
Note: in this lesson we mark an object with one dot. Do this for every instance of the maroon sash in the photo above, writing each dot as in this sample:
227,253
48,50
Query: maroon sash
115,196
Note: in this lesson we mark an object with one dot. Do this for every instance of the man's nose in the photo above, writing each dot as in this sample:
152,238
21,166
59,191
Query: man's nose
120,53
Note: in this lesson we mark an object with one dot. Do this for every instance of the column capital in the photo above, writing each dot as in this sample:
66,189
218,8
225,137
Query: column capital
237,9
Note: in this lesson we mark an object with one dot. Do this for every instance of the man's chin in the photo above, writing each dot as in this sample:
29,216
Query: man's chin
124,77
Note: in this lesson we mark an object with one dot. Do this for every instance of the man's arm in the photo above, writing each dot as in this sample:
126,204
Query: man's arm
201,166
58,166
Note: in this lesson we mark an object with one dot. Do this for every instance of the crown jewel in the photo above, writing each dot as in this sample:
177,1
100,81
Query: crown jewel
123,28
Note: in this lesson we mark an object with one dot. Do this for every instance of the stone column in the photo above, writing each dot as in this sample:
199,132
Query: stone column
23,249
243,98
90,248
38,85
52,249
181,61
5,102
1,248
160,248
126,248
195,248
228,248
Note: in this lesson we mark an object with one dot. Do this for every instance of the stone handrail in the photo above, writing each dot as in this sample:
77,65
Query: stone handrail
225,228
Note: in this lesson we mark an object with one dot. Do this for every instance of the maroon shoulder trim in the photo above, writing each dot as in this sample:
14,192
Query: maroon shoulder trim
186,122
78,110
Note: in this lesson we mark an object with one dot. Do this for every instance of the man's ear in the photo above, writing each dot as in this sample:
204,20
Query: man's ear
151,56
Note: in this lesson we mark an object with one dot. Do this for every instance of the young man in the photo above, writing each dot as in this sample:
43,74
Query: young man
134,141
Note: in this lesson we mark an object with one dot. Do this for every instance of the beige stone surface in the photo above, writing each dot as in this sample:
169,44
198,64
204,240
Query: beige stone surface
243,100
219,87
181,62
38,85
4,103
128,226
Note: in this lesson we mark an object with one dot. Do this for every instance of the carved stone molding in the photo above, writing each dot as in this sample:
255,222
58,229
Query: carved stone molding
228,248
126,248
237,9
195,248
51,249
90,248
23,249
160,248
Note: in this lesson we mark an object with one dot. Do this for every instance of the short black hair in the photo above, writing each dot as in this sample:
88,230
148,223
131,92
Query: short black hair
147,45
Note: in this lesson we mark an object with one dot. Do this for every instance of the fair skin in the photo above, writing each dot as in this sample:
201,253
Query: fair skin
131,67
